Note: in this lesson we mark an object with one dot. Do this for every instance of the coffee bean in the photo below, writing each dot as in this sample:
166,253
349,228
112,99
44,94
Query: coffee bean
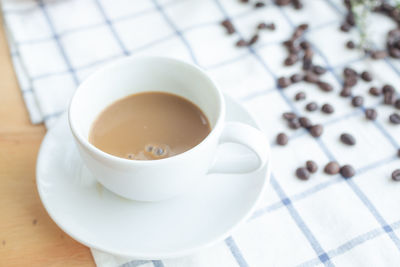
346,92
397,104
305,122
371,114
307,64
308,54
297,4
253,39
269,26
347,171
394,118
388,88
379,54
398,152
228,26
318,70
289,116
394,52
332,168
312,106
375,91
311,166
366,76
284,82
241,43
282,139
244,1
350,45
300,96
305,45
259,4
350,19
350,81
294,49
345,27
311,77
347,139
326,87
295,78
316,130
357,101
396,175
302,173
327,108
291,60
348,72
294,124
282,2
389,98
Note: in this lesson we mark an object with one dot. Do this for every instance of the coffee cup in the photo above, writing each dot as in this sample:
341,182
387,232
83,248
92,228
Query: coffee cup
156,180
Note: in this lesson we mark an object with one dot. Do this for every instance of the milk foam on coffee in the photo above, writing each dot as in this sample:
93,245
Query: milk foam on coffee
149,126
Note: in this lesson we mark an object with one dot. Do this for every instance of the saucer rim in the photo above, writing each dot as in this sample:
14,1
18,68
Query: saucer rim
164,255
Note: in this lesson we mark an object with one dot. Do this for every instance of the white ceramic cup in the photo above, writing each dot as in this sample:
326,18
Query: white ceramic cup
155,180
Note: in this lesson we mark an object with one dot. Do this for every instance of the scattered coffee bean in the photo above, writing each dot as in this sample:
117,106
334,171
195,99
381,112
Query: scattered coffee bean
311,77
284,82
312,106
289,116
350,81
375,91
371,114
319,70
327,108
305,45
379,54
300,96
308,54
389,98
305,122
228,26
259,4
263,25
345,27
241,43
282,139
347,139
357,101
346,92
307,64
332,168
350,19
349,72
294,124
366,76
394,118
350,45
388,88
326,87
290,60
282,2
302,173
253,39
295,78
347,171
311,166
397,104
398,152
396,175
316,130
244,1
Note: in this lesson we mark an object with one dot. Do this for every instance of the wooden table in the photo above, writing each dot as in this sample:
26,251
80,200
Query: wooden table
28,237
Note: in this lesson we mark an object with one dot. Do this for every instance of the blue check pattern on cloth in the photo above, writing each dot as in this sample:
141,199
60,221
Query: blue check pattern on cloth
327,221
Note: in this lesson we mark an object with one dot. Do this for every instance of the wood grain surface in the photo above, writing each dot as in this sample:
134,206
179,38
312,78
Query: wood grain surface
28,237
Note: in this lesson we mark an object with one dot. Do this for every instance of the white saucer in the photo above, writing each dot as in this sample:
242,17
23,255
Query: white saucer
102,220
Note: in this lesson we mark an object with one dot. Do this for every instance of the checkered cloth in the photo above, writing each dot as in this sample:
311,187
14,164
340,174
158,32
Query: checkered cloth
327,220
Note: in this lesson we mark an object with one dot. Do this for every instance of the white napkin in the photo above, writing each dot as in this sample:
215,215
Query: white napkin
327,220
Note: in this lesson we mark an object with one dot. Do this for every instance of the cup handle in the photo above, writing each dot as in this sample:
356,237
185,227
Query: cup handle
250,137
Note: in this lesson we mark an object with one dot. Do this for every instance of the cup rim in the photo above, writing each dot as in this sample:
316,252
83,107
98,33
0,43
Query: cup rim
84,142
